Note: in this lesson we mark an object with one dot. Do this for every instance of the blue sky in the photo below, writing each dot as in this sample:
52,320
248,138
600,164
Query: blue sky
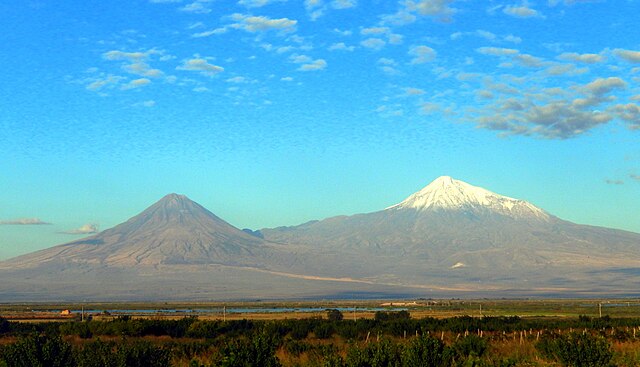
275,112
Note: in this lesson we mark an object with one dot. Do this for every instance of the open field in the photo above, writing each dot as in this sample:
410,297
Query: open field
505,333
556,308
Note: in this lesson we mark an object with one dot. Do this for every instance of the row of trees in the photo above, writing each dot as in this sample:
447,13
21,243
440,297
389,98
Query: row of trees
398,324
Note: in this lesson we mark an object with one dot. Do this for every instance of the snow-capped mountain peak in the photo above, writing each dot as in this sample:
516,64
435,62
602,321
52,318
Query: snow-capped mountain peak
451,194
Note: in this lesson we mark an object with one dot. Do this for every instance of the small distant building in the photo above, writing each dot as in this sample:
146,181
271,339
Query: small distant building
65,313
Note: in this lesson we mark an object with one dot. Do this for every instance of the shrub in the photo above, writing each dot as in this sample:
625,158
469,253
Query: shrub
334,315
38,351
379,354
257,351
425,351
471,345
578,350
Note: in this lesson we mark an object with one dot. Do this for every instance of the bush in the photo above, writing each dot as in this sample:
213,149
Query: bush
138,354
324,330
470,346
379,354
334,315
39,351
257,351
4,325
425,351
578,350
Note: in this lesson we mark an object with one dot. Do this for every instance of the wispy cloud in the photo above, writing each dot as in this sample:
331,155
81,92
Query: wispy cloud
422,54
373,43
24,222
136,83
521,11
200,65
319,64
255,24
584,58
84,229
257,3
340,46
197,7
614,182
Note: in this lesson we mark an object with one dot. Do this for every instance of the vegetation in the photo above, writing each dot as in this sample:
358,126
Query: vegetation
389,339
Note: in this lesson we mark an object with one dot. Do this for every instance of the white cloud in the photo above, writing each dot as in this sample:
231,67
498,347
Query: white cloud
220,30
344,4
628,55
109,80
584,58
414,91
255,24
300,59
422,54
121,55
440,9
136,83
143,69
395,39
196,7
556,113
286,79
257,3
201,65
340,46
513,39
521,11
84,229
318,64
373,43
497,51
24,222
602,86
530,61
374,30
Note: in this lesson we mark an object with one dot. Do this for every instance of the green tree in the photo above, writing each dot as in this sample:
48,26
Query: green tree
334,315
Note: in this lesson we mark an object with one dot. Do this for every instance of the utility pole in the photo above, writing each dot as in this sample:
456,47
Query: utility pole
224,313
600,309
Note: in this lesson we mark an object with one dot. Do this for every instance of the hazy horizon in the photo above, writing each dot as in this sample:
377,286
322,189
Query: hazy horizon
276,112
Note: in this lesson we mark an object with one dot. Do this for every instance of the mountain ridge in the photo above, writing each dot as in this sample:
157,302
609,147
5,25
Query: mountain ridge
448,236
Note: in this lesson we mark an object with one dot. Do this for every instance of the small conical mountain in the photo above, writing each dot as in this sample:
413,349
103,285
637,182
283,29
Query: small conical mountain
174,230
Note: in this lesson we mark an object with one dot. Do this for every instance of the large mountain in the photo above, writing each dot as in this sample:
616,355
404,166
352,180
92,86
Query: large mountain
451,233
448,239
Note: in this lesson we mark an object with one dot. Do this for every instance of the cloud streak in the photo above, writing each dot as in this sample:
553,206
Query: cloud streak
24,222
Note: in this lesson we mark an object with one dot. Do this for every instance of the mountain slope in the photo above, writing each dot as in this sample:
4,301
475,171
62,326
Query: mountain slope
450,226
174,230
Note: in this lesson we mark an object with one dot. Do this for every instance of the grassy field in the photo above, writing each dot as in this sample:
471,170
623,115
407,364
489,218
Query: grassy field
556,308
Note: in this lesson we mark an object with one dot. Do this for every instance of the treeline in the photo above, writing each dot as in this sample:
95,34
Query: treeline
396,324
390,339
